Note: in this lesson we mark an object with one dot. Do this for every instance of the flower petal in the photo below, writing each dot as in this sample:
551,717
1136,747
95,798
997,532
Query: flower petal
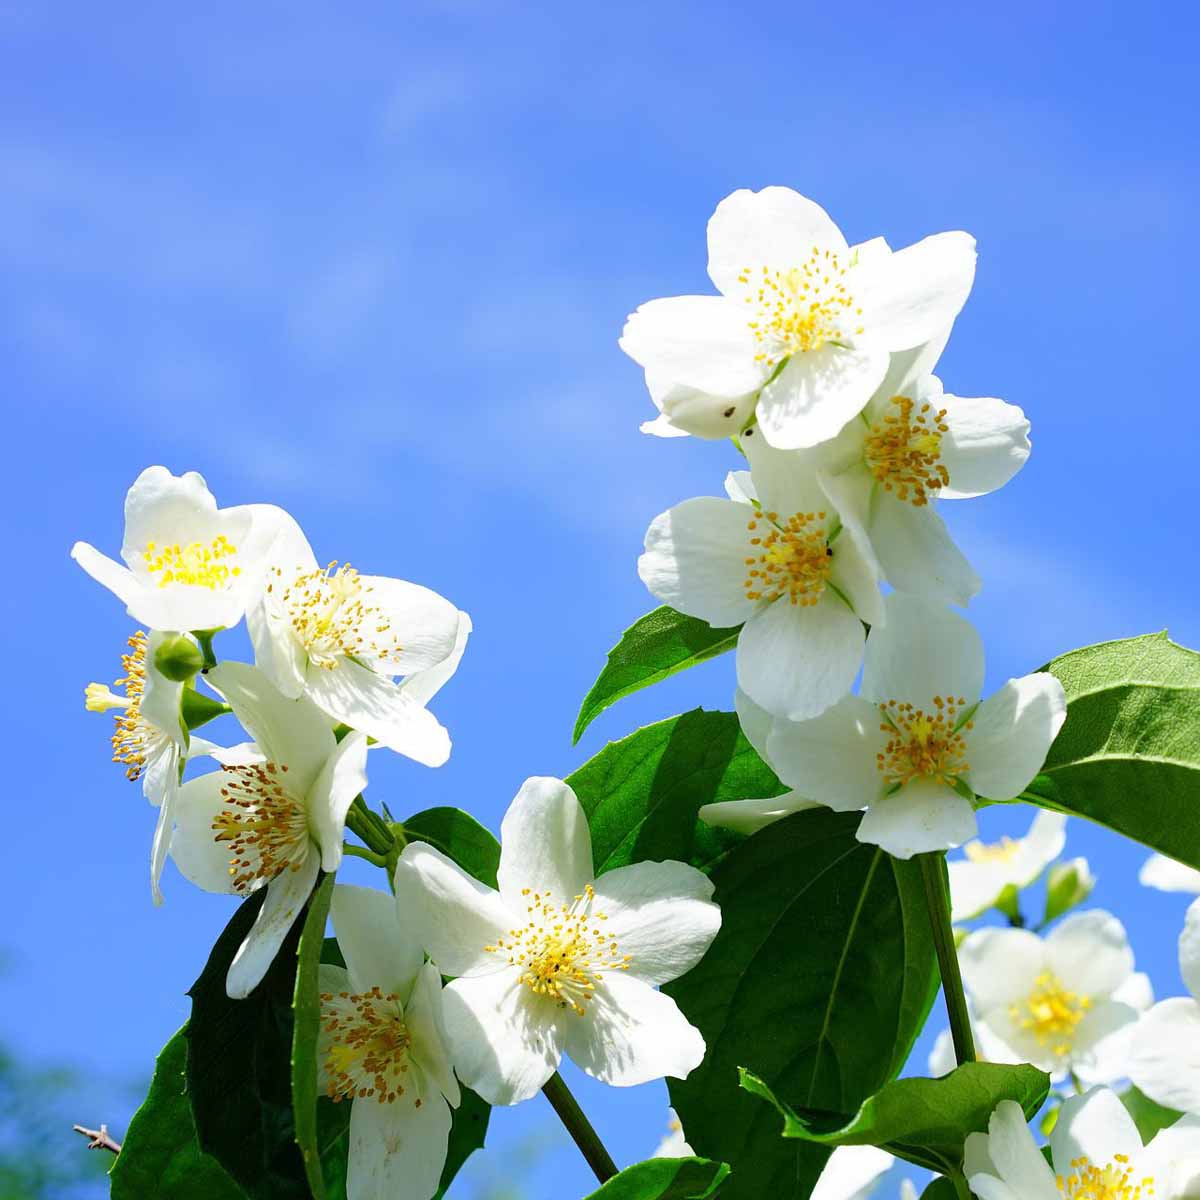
1164,1054
695,559
749,816
1189,950
849,491
424,623
1100,1051
458,916
1167,875
755,721
686,409
855,574
164,825
631,1033
398,1149
505,1040
1095,1126
917,553
423,1016
342,778
378,947
544,844
796,662
922,650
1090,953
785,481
851,1173
661,914
1011,734
1000,966
1012,1148
922,816
986,445
424,685
278,653
119,580
200,858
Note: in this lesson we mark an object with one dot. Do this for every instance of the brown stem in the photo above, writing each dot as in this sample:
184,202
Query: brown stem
99,1139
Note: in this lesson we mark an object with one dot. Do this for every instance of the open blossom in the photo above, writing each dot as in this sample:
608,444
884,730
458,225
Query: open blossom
674,1145
775,557
1097,1154
980,877
188,564
1164,1057
558,962
272,819
382,1049
1167,875
340,638
918,743
803,330
1066,1002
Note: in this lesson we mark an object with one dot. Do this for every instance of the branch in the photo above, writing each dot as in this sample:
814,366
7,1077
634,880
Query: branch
99,1139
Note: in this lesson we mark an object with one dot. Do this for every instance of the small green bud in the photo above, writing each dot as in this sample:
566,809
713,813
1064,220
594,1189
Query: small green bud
1067,884
198,709
178,658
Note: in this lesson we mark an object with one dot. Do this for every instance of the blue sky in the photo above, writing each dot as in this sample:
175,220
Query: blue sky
371,263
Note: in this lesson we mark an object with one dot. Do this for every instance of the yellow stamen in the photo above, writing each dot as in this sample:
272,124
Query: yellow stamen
789,558
923,745
366,1044
1115,1181
904,448
1005,850
265,825
1051,1013
209,565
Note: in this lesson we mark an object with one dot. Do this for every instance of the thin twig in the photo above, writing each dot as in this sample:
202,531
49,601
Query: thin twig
99,1139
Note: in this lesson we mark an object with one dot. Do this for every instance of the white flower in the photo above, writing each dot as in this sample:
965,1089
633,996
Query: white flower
1164,1058
852,1173
1167,875
918,743
188,564
1066,1003
804,327
272,821
674,1145
1097,1155
912,445
382,1049
555,963
977,880
339,638
775,557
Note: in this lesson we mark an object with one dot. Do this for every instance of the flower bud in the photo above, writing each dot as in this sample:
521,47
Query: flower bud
1067,884
178,658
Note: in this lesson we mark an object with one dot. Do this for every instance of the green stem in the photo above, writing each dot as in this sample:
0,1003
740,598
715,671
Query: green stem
579,1127
937,900
204,638
376,860
369,827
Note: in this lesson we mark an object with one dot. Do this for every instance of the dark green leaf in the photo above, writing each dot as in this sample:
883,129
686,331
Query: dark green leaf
924,1121
819,981
665,1179
1148,1115
160,1155
459,836
466,1136
941,1189
1129,754
642,794
239,1075
652,648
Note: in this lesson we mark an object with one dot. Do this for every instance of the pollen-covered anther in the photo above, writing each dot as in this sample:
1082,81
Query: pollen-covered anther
365,1045
562,949
332,617
1113,1181
903,450
265,825
923,745
211,565
788,557
1005,850
801,309
132,737
1051,1012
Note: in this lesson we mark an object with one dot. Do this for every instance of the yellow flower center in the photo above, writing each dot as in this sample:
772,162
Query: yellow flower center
134,739
210,565
265,825
366,1045
1051,1013
790,558
923,745
1005,850
903,450
1112,1182
802,309
332,618
562,948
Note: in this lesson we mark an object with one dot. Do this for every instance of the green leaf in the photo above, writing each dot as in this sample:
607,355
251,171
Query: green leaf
665,1179
924,1121
819,981
467,1133
941,1189
1129,754
459,836
652,648
642,794
306,1024
160,1155
1148,1115
239,1075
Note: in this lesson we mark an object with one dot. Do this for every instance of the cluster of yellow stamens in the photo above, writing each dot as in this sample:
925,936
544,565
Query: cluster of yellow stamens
923,745
801,309
132,736
366,1045
196,564
903,450
1051,1013
1005,850
332,618
562,948
791,557
265,825
1112,1182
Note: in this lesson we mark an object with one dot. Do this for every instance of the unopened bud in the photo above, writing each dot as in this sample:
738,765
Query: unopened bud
178,658
1067,885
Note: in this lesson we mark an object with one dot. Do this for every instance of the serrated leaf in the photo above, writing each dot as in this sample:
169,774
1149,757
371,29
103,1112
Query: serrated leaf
655,647
1128,756
641,794
819,981
924,1121
459,836
665,1179
160,1155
